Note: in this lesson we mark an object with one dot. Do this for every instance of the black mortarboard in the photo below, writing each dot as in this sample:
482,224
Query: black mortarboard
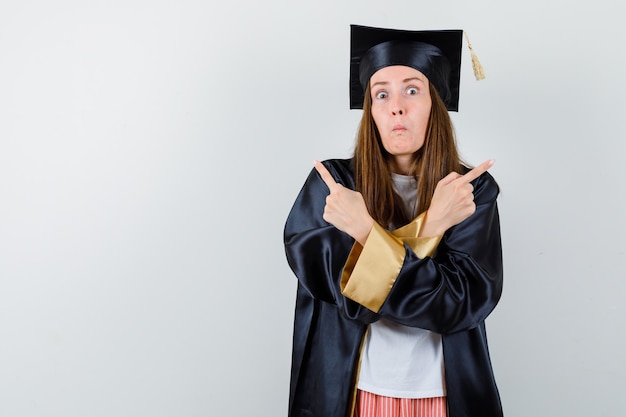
435,53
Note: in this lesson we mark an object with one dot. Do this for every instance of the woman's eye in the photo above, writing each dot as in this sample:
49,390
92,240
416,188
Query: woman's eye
381,95
412,91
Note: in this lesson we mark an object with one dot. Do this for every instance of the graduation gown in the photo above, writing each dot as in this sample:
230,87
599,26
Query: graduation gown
448,285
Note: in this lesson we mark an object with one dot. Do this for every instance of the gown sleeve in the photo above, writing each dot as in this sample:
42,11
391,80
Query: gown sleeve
445,284
316,250
450,286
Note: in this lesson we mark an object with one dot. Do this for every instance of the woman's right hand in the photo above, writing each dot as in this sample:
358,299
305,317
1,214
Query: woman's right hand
453,201
345,209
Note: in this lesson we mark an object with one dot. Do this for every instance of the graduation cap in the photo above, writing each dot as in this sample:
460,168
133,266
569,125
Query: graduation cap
435,53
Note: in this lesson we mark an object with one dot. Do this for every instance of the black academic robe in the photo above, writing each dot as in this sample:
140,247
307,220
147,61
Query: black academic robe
450,292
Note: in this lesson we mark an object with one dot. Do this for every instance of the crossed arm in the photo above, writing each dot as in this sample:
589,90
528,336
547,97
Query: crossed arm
453,202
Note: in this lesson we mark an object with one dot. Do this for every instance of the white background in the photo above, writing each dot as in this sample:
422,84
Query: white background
150,152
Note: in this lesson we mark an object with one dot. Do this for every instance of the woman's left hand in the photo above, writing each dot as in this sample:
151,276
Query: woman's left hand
345,209
452,202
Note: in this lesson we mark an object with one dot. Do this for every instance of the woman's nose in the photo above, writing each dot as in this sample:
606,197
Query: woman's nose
397,107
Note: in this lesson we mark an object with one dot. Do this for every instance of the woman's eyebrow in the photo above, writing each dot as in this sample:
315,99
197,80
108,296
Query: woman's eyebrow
379,83
406,80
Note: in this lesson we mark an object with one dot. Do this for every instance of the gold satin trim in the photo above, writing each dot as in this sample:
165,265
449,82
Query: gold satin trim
422,246
358,372
371,270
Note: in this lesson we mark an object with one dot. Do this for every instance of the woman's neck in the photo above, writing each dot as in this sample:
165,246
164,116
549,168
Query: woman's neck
401,164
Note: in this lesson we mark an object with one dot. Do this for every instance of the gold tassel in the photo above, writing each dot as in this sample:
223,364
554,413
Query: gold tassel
479,72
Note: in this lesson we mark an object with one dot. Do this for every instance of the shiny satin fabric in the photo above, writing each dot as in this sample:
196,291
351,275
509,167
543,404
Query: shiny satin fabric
451,293
426,58
371,271
435,53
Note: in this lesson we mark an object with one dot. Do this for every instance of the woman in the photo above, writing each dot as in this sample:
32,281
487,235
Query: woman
397,250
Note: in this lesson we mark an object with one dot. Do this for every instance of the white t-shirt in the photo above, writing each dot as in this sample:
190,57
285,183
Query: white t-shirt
400,361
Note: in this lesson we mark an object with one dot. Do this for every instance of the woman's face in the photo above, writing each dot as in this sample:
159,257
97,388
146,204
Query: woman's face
401,106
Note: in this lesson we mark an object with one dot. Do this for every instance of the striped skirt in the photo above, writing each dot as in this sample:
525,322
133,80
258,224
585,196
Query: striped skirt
372,405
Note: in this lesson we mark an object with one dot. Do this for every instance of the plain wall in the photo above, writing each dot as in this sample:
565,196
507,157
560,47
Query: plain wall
150,152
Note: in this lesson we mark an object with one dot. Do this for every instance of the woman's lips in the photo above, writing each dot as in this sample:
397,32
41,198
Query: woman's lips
398,128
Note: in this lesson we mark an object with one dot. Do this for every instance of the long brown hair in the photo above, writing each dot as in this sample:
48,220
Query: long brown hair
437,157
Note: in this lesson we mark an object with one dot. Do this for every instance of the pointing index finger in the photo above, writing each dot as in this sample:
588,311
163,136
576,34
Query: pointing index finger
326,176
477,172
